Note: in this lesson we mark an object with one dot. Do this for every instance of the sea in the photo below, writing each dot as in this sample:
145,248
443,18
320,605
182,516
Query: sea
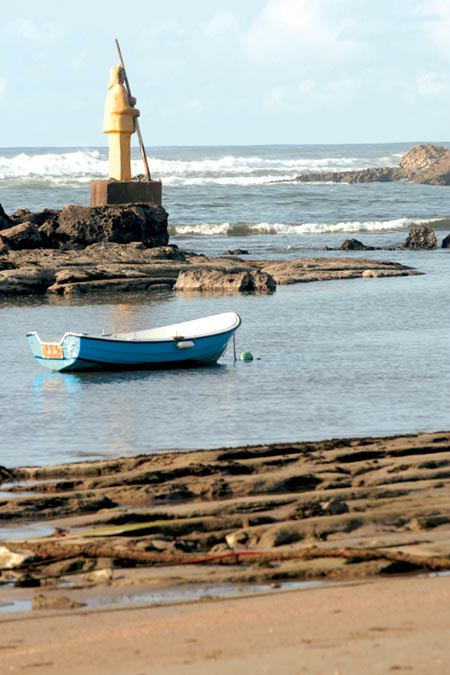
344,358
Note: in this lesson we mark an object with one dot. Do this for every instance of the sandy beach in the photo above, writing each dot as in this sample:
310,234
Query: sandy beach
362,523
394,625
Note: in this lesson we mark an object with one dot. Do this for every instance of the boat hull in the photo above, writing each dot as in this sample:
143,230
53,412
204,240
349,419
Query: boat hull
83,352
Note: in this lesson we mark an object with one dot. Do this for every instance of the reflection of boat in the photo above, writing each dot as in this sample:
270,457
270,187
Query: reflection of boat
187,344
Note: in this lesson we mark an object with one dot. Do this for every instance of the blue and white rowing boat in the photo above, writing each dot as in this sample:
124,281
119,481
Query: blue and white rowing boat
191,343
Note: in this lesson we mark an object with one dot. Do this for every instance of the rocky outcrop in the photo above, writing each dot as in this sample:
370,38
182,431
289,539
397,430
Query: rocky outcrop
79,226
355,245
446,242
5,220
233,281
24,235
421,238
425,163
305,270
108,267
378,175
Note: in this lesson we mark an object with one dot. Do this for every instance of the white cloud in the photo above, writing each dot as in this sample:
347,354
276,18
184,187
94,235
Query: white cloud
287,27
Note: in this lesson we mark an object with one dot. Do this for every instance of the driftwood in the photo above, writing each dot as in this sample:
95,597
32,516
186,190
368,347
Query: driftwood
52,551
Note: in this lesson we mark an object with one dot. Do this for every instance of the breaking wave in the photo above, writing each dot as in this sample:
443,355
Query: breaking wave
248,229
188,166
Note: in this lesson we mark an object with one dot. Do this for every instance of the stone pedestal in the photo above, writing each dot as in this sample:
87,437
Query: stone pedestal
116,192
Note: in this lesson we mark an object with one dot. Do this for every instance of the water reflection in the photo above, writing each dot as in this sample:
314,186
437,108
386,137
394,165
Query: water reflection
121,412
50,382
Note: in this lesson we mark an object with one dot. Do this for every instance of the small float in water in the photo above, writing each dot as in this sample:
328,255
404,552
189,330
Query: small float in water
183,345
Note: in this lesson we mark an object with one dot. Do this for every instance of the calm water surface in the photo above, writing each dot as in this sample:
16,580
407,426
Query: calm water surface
339,358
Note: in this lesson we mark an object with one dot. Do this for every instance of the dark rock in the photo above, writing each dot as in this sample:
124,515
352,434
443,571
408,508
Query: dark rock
79,226
5,475
377,175
421,238
170,252
4,245
27,581
26,281
5,220
24,235
446,242
86,225
355,245
236,251
21,215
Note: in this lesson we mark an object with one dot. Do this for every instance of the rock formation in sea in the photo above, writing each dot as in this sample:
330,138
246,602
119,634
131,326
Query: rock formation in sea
80,250
421,237
425,163
78,226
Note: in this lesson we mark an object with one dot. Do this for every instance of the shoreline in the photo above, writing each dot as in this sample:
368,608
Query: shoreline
337,510
368,517
374,627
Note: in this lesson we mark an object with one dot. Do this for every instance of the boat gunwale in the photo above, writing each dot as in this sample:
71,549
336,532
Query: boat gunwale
175,338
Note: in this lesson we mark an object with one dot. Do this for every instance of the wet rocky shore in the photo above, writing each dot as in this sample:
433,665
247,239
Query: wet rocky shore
337,509
82,250
107,267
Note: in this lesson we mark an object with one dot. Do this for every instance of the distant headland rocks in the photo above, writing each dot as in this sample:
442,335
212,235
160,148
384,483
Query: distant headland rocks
426,163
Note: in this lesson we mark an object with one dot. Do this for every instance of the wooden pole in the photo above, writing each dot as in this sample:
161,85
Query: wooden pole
136,122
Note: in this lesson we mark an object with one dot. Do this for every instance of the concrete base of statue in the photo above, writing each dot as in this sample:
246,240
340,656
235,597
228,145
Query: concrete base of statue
115,192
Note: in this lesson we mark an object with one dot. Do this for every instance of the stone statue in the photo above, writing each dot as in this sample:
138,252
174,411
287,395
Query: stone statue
119,124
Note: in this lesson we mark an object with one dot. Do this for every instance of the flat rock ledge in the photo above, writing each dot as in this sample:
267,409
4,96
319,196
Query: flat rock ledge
108,267
333,509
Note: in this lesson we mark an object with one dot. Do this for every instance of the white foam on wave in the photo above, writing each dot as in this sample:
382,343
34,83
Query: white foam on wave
224,180
242,229
55,166
229,169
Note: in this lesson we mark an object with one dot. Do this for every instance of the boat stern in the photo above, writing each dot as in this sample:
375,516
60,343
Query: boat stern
54,355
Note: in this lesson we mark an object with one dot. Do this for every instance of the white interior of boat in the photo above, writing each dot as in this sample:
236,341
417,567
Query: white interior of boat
187,330
208,325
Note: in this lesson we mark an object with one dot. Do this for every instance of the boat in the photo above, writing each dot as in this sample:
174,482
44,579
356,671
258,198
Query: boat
188,344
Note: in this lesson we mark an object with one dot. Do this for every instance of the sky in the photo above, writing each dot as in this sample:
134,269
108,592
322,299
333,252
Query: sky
209,72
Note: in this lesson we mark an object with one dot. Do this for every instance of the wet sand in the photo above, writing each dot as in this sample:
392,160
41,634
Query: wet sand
361,515
394,625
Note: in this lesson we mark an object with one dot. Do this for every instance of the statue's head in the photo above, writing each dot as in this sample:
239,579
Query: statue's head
116,76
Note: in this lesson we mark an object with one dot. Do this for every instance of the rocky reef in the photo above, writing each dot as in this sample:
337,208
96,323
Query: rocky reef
121,249
425,163
108,267
422,237
75,227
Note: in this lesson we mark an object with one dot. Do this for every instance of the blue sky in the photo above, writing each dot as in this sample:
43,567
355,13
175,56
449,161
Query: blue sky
236,72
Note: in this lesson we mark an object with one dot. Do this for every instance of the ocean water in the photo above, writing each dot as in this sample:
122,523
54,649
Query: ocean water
338,358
